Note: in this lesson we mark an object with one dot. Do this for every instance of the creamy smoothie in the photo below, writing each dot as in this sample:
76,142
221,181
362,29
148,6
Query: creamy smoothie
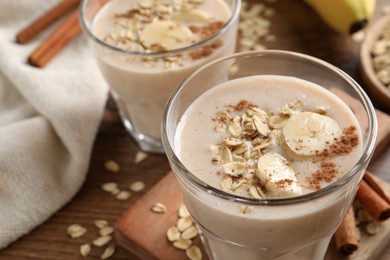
141,84
264,138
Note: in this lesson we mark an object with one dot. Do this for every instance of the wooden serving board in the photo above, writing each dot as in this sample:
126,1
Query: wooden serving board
143,232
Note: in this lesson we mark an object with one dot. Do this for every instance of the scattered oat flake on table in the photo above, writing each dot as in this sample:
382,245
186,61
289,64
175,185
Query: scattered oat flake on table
106,231
182,244
159,208
76,230
110,186
194,253
101,223
123,195
137,186
101,241
85,249
183,212
173,234
112,166
190,233
184,223
108,252
140,156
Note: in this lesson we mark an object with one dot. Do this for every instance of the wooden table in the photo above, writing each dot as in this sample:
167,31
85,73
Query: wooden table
296,27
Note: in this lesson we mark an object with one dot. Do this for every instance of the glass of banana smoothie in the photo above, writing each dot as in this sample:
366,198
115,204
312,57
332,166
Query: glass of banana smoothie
268,149
145,48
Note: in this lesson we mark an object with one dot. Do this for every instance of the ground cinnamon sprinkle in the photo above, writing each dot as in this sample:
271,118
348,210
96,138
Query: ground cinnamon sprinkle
341,146
326,173
282,183
242,105
202,52
206,32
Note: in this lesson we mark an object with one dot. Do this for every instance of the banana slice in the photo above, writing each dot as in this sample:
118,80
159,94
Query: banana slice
309,133
277,176
192,16
168,34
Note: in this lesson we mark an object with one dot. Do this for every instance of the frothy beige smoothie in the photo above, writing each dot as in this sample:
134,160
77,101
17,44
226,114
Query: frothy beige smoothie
141,85
267,137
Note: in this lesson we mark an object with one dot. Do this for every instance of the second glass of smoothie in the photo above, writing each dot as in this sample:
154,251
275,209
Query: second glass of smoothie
145,48
268,152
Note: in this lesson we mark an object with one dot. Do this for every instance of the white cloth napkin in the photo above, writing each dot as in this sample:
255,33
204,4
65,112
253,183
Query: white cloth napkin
48,121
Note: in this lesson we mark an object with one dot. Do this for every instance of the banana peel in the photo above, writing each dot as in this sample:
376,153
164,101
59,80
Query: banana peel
345,16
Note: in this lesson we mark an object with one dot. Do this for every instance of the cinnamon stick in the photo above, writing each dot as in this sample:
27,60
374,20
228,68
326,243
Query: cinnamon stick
56,41
373,202
46,19
369,178
345,236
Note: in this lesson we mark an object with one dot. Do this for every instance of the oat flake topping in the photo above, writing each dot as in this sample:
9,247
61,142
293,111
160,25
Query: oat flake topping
251,133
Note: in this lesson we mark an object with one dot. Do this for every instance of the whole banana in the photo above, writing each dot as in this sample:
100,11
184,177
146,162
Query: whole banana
345,16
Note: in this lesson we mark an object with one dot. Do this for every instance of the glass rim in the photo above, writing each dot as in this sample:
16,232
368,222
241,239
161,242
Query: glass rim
367,152
234,16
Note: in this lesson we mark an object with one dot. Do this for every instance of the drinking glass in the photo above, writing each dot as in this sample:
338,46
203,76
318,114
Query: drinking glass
139,85
287,228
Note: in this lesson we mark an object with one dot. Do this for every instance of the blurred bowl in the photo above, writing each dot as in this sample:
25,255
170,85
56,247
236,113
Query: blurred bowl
375,87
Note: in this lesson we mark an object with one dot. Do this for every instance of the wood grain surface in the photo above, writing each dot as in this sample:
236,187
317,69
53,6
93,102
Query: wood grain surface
296,27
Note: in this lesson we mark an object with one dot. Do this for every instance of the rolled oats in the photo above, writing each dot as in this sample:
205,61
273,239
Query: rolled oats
159,208
254,26
76,231
194,253
189,233
105,231
184,223
226,155
131,25
380,52
220,128
123,195
182,244
234,168
101,223
110,186
237,155
140,156
173,234
101,241
112,166
182,211
254,193
108,252
226,184
85,250
137,186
